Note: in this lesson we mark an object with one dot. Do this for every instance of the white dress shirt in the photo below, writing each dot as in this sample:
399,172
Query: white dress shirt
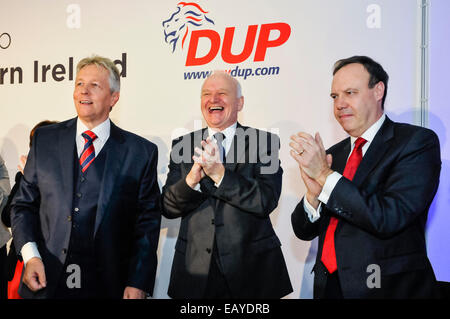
334,177
30,250
102,131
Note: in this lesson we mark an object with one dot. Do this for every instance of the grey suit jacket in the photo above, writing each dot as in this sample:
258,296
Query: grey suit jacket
236,215
5,189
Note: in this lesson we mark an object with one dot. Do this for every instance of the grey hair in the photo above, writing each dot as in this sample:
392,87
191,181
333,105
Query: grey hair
227,75
99,61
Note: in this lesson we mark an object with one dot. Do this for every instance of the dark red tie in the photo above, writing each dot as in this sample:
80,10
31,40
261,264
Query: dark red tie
328,251
88,154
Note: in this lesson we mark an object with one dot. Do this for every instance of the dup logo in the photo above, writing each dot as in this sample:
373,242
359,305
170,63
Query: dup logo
187,14
192,21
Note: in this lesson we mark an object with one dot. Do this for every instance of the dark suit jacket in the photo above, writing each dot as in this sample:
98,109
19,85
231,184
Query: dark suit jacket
127,220
382,215
236,214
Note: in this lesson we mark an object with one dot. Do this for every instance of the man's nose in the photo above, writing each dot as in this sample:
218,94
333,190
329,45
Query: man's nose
84,89
215,97
340,103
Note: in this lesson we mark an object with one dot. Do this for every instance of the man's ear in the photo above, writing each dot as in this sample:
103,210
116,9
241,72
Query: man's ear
379,91
114,98
241,103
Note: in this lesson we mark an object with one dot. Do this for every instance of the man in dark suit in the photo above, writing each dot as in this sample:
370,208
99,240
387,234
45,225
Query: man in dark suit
86,216
371,219
224,181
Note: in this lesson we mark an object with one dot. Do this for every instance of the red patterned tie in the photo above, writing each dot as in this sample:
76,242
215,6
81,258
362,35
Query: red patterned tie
88,154
328,251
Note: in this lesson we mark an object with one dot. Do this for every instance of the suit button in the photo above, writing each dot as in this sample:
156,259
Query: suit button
69,218
64,251
208,250
78,195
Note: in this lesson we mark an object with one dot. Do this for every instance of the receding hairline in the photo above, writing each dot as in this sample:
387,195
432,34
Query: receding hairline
225,75
106,64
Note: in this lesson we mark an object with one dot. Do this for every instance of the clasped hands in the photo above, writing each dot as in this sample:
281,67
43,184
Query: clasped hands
207,162
313,162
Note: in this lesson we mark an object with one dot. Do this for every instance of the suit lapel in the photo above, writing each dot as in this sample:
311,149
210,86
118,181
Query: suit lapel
115,156
236,154
376,151
340,156
66,146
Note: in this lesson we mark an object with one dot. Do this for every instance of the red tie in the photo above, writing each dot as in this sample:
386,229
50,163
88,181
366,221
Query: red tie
328,251
88,154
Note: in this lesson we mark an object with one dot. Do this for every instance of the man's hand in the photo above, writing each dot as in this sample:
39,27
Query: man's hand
313,189
210,161
23,161
310,154
133,293
195,175
34,276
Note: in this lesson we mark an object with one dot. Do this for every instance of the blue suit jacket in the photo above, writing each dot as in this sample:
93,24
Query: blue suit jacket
382,215
127,220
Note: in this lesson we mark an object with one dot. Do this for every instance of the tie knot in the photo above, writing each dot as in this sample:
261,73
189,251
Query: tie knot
359,143
219,136
89,136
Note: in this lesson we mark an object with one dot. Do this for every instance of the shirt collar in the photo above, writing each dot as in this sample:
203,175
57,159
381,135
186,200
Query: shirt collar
228,132
370,133
102,130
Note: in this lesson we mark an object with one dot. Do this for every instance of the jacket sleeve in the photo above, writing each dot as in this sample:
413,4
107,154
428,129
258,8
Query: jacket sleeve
26,202
144,260
6,213
178,199
302,226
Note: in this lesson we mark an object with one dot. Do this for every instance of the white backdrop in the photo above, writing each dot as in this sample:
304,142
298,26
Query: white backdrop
158,103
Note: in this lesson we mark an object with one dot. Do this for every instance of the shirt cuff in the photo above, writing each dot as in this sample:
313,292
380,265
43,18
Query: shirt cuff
219,182
28,251
328,188
313,214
